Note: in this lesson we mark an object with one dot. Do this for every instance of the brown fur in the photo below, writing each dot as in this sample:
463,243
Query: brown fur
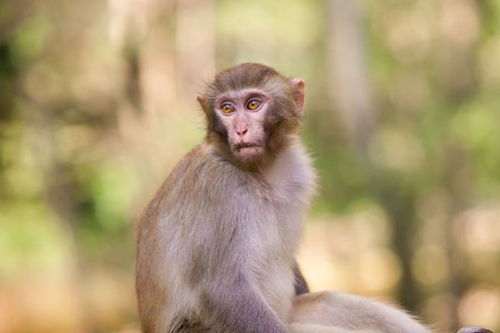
216,245
283,118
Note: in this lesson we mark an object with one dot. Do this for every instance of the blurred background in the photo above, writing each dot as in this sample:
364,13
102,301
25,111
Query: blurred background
97,103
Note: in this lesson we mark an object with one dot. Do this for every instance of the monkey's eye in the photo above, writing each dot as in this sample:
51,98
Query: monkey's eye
253,104
227,108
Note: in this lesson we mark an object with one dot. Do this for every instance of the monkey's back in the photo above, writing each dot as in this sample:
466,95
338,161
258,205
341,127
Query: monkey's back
234,220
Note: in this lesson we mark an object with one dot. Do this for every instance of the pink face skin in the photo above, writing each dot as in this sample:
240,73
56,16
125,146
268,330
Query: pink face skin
243,114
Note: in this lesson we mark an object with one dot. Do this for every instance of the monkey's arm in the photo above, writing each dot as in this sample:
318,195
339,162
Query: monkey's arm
300,283
238,307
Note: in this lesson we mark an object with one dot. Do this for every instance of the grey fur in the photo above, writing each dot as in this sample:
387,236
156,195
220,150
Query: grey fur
212,248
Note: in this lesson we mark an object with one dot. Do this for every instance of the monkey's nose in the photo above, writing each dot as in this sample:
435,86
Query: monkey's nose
242,132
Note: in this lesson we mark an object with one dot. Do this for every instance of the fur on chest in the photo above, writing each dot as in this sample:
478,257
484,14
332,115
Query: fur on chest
291,177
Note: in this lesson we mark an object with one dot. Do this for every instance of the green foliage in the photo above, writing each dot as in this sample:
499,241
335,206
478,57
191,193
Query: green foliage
78,163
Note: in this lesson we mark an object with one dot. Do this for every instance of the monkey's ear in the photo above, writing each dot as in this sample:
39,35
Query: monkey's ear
298,94
203,103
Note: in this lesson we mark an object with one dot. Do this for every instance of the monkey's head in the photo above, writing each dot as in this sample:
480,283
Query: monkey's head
251,110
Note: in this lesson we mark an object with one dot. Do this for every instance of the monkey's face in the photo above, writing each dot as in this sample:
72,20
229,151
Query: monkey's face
243,114
251,110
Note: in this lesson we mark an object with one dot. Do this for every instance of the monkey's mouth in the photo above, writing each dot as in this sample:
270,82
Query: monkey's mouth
243,145
247,150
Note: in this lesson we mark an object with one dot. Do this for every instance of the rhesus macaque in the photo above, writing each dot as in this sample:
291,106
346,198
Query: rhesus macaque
216,245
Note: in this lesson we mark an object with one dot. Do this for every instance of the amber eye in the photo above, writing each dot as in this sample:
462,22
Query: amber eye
227,108
253,104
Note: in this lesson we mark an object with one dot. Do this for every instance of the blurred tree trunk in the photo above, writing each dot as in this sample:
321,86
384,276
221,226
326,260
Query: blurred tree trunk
40,126
351,94
348,76
8,75
60,193
456,60
195,45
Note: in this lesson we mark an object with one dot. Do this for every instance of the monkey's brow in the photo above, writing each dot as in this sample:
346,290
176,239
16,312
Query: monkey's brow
245,94
242,92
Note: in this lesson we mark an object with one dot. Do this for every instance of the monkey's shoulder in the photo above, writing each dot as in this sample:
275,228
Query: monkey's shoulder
202,167
201,175
180,180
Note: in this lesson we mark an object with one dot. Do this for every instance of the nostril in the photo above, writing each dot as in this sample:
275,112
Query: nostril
242,132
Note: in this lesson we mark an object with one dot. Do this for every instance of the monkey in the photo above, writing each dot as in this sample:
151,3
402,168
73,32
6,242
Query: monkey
216,245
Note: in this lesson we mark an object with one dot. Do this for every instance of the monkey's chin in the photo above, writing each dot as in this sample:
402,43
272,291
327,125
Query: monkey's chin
249,154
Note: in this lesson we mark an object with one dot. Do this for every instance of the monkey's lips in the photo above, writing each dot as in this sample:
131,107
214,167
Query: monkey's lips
247,151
